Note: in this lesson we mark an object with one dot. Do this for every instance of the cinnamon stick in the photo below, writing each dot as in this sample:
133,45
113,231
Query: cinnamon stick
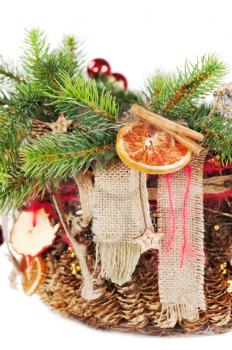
165,124
189,143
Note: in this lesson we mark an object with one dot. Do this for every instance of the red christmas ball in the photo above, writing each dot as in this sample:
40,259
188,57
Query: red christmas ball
121,80
98,66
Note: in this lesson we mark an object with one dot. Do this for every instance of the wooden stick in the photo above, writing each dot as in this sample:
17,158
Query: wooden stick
218,184
219,213
164,123
189,143
212,185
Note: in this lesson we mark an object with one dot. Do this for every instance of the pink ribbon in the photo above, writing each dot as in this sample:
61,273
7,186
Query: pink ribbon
185,250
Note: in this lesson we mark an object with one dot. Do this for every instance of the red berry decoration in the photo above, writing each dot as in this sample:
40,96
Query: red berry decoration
98,66
121,80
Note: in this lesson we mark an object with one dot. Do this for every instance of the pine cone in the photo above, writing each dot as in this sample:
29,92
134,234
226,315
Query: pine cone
61,289
196,326
217,298
147,279
218,239
218,245
106,309
133,311
40,128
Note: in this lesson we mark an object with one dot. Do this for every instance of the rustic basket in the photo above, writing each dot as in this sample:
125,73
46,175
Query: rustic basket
135,306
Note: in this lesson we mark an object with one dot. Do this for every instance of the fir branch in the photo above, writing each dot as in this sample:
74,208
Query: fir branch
197,118
64,154
175,96
217,131
7,72
28,100
47,74
124,99
4,98
154,90
36,51
73,95
73,49
10,74
13,129
70,45
18,190
218,136
43,65
95,124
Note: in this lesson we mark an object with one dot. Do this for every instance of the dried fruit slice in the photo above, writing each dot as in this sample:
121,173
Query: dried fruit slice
32,274
142,146
30,238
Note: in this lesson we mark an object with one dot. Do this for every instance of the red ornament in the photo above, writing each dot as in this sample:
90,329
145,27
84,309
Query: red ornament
121,80
98,66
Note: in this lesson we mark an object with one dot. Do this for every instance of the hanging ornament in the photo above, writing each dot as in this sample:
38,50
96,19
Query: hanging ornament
98,66
31,236
121,80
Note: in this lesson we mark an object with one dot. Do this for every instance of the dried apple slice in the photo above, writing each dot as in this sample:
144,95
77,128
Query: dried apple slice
32,239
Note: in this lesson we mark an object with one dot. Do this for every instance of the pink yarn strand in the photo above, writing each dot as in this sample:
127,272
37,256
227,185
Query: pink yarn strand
172,213
188,170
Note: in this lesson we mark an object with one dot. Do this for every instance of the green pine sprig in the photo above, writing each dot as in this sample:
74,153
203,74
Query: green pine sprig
64,154
73,50
72,96
9,72
175,95
43,65
218,136
18,190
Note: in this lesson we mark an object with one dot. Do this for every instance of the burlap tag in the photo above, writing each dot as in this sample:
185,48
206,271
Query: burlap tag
120,213
181,268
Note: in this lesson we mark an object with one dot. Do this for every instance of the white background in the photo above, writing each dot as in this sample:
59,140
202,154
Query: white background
135,36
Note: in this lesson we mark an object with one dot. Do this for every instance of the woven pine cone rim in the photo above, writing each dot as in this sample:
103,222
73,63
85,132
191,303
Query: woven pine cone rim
135,306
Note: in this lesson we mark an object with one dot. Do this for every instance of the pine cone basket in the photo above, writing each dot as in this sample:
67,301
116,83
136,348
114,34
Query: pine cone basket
135,306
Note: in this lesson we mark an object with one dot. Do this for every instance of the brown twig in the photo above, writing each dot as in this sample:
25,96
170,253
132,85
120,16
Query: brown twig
212,185
11,75
186,89
219,213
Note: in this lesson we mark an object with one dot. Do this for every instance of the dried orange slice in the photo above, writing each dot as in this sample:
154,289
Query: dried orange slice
142,146
32,273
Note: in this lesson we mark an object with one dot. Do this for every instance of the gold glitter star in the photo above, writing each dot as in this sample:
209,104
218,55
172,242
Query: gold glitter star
148,240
